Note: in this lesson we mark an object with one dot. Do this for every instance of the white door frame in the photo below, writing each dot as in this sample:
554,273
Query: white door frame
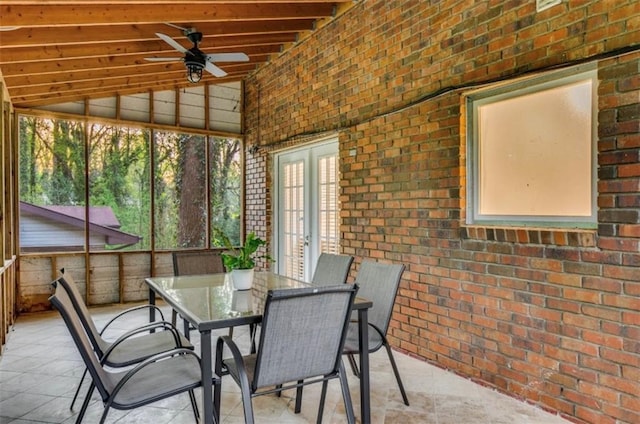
309,153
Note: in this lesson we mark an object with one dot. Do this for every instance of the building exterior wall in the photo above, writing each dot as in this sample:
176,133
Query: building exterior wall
551,316
43,233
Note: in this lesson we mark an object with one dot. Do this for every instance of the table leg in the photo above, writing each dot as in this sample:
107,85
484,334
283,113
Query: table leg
363,340
186,328
207,378
152,311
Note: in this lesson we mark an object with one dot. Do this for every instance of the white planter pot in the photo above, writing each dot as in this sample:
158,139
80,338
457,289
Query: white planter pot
242,279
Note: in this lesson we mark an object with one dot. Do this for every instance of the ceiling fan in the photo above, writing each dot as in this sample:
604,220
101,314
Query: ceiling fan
194,58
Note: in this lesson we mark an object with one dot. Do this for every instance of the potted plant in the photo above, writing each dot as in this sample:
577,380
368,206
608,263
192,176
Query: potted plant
240,261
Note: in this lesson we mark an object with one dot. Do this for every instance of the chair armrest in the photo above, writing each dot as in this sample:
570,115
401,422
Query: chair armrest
166,326
378,330
237,359
130,310
375,327
149,361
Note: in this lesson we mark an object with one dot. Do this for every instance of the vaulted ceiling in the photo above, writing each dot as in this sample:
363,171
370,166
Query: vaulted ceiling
54,51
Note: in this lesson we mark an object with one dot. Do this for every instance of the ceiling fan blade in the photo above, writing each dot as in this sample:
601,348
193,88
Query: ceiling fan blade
214,70
173,43
227,57
163,59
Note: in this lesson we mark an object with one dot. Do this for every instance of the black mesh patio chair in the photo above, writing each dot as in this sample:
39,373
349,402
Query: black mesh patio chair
379,283
331,269
157,377
129,348
196,263
303,333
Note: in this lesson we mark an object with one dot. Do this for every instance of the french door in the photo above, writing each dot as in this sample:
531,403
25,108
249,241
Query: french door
306,213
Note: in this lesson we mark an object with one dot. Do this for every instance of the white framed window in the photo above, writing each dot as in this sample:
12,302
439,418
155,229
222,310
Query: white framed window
531,151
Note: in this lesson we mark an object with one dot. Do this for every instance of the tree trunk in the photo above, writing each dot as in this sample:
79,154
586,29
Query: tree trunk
191,194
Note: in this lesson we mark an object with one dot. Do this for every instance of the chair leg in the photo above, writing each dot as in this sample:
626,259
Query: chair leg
247,407
397,374
253,330
73,402
323,398
346,396
104,414
354,365
85,404
194,405
92,387
230,331
245,389
298,406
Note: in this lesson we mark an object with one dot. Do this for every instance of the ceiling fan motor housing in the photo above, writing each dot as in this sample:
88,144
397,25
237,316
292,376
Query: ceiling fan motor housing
195,37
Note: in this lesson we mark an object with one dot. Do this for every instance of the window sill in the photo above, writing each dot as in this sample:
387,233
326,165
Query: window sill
546,236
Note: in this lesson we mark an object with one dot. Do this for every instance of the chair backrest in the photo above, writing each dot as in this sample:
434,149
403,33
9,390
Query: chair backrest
331,269
69,285
63,303
379,283
303,333
197,263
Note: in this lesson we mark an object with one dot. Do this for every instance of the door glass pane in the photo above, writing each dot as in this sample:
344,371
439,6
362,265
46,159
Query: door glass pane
329,233
293,219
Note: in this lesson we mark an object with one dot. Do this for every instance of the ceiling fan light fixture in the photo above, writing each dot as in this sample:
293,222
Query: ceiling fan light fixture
194,69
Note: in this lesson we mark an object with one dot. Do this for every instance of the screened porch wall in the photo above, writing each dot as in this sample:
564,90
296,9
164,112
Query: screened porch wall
113,277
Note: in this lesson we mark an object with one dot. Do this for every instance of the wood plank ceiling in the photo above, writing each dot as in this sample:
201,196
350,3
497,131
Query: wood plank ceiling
54,51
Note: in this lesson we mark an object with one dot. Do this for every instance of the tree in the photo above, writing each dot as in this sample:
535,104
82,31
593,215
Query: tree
190,185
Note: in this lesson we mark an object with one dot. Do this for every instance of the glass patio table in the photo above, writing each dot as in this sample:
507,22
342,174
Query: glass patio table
209,302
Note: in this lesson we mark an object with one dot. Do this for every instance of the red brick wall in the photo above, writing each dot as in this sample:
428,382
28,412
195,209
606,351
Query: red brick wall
551,316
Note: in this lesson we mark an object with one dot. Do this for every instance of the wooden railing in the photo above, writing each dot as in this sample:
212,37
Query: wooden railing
7,300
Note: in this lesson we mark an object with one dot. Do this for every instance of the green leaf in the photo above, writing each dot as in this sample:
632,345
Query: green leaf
242,257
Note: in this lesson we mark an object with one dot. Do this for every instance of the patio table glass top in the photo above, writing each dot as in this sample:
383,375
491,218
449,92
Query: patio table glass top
210,301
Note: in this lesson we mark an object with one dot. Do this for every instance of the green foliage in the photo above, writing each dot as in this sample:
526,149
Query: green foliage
243,257
225,192
52,172
119,177
51,161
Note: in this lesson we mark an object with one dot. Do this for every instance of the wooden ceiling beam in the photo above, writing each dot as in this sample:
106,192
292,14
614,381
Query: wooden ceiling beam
49,98
99,74
92,86
161,2
80,35
79,64
249,45
41,15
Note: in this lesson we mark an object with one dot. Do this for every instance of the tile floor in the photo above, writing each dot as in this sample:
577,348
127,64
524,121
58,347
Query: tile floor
40,369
